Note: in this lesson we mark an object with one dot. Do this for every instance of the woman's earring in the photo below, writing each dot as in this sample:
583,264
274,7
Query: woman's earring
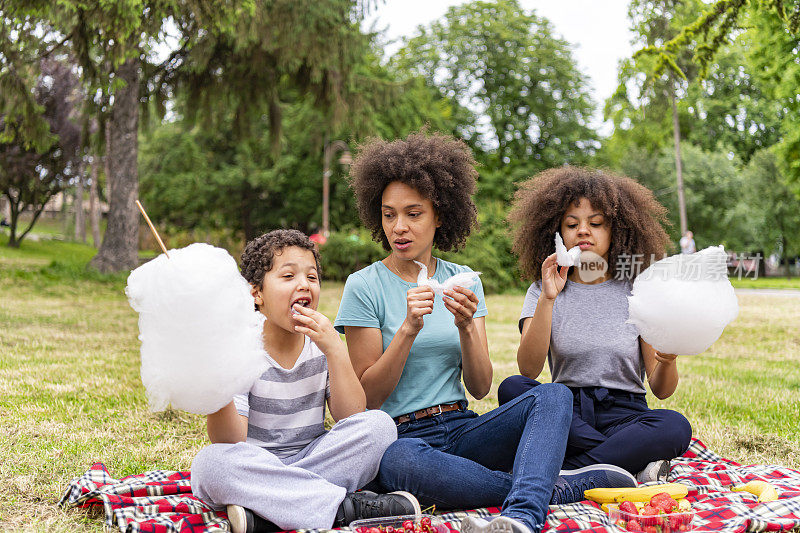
259,301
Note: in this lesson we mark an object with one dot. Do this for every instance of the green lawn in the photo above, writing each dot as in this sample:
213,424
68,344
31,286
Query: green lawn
70,391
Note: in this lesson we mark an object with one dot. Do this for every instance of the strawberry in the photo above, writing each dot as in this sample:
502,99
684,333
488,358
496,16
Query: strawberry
621,524
408,525
663,501
628,507
650,529
633,525
650,516
426,521
373,530
675,522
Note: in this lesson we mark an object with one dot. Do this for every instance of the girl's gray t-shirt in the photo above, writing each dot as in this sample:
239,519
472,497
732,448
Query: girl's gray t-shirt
590,343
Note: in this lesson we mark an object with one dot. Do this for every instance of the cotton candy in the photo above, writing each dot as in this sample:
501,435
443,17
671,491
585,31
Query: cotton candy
201,338
564,257
681,304
463,279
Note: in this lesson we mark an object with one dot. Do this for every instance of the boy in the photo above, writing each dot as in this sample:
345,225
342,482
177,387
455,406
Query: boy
272,463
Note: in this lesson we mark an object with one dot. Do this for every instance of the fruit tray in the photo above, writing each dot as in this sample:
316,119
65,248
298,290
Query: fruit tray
423,523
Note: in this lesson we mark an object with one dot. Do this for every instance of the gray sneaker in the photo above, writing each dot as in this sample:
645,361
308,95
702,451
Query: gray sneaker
655,471
500,524
474,524
571,484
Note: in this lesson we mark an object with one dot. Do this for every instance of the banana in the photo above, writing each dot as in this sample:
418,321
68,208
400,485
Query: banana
639,494
765,491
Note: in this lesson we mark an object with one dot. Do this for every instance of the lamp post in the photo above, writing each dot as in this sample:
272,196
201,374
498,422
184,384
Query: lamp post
345,159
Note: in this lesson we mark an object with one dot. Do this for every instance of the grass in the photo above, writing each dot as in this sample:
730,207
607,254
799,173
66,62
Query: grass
70,391
767,283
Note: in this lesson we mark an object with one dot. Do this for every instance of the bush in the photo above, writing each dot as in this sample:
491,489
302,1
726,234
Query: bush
487,250
344,253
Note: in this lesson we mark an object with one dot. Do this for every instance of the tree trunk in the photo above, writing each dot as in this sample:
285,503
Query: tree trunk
119,250
13,221
786,257
80,219
94,207
678,164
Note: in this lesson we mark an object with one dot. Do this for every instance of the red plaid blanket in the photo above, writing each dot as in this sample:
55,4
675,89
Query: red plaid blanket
162,501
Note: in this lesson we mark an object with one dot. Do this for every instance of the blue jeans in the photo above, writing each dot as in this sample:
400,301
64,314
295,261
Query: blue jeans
613,426
509,456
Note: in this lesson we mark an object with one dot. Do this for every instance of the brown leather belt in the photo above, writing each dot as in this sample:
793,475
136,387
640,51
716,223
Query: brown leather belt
436,410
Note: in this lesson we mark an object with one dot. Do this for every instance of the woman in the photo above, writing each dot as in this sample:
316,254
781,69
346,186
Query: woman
409,348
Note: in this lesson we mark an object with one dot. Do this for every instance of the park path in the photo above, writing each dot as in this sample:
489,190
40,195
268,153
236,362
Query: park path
791,293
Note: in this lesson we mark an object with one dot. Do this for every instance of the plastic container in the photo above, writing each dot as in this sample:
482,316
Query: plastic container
663,523
396,522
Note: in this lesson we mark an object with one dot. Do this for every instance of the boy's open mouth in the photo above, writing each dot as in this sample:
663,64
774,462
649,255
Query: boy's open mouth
305,302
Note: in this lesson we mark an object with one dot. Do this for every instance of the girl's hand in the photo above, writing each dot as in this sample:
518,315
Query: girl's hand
318,328
462,303
419,302
666,358
553,278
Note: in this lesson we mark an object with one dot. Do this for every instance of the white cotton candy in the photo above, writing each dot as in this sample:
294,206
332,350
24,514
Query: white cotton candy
681,304
464,280
201,338
564,257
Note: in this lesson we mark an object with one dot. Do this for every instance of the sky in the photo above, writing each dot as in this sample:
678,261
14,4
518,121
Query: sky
597,29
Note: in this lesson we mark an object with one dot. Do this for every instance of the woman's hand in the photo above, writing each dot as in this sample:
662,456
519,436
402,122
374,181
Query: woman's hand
553,278
462,303
419,302
319,329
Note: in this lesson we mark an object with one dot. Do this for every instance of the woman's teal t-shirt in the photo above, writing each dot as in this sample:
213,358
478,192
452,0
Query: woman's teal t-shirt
375,297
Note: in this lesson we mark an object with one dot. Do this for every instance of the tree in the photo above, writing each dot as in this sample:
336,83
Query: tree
505,66
773,211
774,27
30,177
228,56
212,179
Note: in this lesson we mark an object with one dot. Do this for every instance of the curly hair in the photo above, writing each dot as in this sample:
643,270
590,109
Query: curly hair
259,253
636,218
438,166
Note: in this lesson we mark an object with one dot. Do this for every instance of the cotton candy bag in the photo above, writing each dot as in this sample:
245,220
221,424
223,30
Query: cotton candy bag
201,338
681,304
465,280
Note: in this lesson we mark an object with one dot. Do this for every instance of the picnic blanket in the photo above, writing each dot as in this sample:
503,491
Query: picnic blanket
162,502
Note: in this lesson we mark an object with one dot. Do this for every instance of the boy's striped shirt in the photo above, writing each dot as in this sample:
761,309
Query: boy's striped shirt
286,407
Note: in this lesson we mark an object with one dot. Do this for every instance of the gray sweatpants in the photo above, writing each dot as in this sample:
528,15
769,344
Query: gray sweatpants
303,490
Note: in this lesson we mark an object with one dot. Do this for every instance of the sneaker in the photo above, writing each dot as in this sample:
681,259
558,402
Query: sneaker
655,471
504,524
365,504
474,524
246,521
570,484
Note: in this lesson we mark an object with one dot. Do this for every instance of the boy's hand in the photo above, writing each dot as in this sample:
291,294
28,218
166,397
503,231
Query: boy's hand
462,303
318,328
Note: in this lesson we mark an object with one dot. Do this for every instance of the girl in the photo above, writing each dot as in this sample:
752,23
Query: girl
409,348
575,318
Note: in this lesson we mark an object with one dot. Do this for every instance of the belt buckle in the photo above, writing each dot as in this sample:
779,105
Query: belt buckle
440,410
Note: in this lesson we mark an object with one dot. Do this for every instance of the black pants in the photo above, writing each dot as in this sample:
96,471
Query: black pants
613,427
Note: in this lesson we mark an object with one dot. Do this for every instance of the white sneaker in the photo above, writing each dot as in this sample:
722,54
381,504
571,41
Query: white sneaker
474,524
504,524
655,471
